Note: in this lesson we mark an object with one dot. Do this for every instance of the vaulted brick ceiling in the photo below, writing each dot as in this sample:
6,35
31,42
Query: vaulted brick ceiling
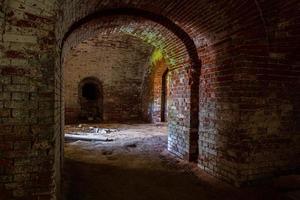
148,31
94,45
218,29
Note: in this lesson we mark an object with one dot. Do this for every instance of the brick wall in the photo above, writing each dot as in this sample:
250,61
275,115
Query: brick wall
248,111
27,141
118,62
269,78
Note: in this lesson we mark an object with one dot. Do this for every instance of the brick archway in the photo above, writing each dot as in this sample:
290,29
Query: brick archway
183,63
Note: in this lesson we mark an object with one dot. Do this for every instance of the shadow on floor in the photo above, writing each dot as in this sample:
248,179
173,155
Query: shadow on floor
93,181
86,181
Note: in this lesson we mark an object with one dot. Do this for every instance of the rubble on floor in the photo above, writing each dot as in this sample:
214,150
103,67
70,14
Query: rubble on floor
141,138
88,132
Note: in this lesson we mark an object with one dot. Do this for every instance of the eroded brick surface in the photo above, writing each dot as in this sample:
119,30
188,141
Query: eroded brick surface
26,101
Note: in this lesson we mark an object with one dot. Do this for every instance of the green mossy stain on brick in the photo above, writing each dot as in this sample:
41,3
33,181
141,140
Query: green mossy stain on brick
156,56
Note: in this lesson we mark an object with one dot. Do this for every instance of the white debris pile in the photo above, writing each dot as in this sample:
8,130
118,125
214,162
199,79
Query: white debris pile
85,132
102,130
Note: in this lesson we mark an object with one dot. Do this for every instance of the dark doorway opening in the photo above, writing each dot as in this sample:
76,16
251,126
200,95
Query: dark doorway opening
91,100
90,91
164,97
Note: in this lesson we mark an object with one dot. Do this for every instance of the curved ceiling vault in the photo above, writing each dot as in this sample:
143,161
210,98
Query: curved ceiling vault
176,46
201,25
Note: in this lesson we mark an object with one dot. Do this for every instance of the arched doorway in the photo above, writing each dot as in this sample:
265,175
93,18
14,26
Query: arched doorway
91,100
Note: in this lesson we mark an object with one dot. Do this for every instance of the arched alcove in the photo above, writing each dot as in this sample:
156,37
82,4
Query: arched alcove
90,100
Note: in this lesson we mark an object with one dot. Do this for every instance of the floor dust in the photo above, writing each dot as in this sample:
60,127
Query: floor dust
135,165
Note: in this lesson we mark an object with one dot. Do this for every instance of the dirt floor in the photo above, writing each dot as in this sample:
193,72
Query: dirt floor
131,162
